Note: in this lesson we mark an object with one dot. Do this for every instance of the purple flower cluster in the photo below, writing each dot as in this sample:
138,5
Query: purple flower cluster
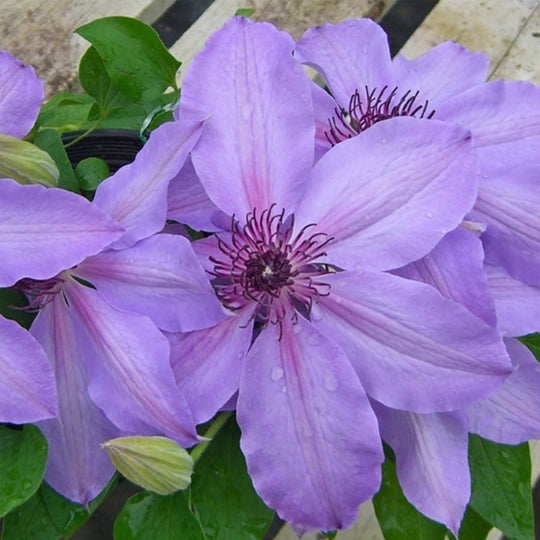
374,251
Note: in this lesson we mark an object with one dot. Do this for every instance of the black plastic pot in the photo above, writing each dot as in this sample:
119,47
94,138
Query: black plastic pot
117,147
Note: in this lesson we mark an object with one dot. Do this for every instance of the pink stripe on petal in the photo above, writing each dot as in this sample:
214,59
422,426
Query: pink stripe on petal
308,432
127,360
77,467
431,461
412,348
257,145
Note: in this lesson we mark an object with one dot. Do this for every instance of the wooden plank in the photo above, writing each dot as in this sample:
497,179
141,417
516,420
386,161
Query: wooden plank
522,61
486,26
40,32
293,16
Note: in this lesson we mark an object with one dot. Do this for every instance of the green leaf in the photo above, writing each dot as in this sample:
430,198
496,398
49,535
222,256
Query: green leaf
136,60
501,486
222,494
473,526
48,516
147,516
155,463
96,81
533,343
398,518
66,112
26,163
245,12
50,141
23,456
91,172
10,298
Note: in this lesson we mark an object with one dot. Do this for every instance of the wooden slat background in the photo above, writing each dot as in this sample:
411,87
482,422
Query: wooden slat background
40,32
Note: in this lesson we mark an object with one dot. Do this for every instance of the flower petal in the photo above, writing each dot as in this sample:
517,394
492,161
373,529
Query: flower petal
325,108
77,467
207,364
257,146
412,348
44,231
511,414
129,375
498,113
455,268
444,71
350,56
508,203
160,277
308,432
391,193
431,461
517,304
188,202
27,391
21,95
136,195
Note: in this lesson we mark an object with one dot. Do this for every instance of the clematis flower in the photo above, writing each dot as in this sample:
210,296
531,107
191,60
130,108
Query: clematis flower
100,306
317,323
27,390
448,83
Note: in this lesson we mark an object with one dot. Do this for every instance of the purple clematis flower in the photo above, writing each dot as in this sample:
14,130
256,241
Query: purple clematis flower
317,323
27,390
108,284
448,84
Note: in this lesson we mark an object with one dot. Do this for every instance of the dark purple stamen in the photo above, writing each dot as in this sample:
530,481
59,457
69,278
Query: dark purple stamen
375,107
266,263
39,292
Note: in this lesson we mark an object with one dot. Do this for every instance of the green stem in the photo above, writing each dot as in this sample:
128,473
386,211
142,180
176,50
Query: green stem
215,426
87,132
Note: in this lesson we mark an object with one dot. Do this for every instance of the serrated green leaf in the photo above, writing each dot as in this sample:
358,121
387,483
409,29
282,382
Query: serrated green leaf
222,494
66,112
136,60
26,163
155,463
91,172
147,516
50,141
398,518
48,516
501,486
23,456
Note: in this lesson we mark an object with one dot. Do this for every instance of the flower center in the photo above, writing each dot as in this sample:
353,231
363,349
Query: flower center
265,263
373,107
39,291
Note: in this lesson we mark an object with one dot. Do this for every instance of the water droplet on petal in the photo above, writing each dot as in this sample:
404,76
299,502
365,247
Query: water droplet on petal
284,389
297,329
383,141
276,374
429,215
359,267
330,382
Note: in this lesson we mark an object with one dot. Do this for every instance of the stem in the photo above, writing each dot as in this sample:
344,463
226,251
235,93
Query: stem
87,132
215,426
